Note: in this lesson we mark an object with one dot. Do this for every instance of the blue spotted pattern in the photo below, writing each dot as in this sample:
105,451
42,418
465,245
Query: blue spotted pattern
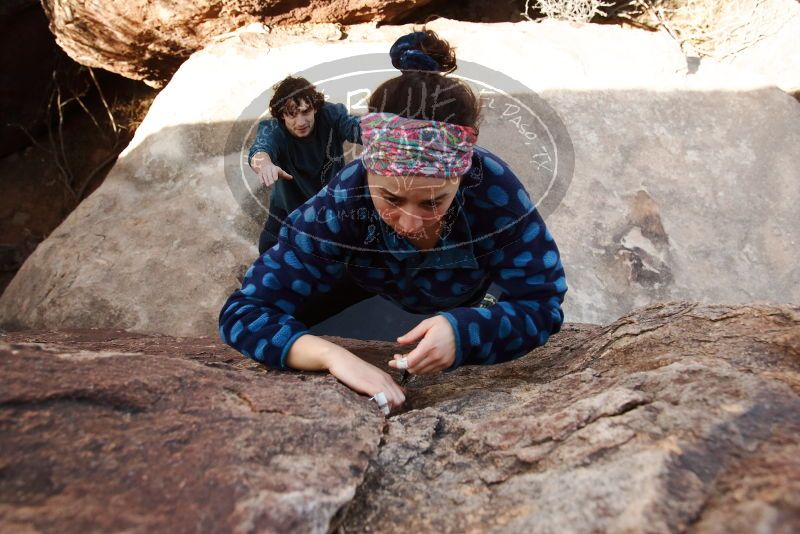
347,173
236,330
535,280
497,195
260,346
493,166
505,327
532,304
327,247
486,313
474,334
524,199
530,326
304,288
244,309
290,258
523,258
561,284
282,336
531,232
507,274
259,323
285,305
339,194
312,270
513,250
508,308
269,262
550,258
303,242
232,306
332,221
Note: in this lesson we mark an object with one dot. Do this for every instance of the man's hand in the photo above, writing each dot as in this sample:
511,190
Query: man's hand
436,350
268,172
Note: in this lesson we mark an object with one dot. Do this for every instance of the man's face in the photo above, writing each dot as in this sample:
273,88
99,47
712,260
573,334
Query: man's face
299,118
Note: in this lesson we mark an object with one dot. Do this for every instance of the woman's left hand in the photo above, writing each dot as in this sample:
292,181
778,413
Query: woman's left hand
435,351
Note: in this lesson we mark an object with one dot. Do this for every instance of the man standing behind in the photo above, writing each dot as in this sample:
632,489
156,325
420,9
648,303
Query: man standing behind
298,150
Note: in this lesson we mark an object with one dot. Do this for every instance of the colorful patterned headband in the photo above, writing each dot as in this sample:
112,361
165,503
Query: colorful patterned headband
397,146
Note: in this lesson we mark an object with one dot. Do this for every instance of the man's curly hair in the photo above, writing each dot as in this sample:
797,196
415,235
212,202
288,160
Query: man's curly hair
290,93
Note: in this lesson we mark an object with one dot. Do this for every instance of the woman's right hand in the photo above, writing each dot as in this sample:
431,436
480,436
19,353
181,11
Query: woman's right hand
365,378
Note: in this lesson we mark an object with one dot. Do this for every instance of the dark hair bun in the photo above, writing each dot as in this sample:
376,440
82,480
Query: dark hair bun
423,50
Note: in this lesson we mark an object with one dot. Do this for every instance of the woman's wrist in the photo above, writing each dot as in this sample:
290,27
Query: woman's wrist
312,353
334,354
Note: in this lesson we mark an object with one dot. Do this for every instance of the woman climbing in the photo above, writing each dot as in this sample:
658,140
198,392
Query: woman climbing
426,219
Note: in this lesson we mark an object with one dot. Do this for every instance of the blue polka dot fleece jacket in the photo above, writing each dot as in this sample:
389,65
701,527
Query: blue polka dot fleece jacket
491,233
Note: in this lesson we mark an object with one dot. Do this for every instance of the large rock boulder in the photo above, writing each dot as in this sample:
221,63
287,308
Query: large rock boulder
656,183
678,417
148,40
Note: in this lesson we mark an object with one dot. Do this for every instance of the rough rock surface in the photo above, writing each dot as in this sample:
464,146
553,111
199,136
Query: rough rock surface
664,421
676,418
684,185
148,40
109,431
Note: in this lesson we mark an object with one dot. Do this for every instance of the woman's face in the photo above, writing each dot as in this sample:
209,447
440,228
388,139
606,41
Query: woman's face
412,205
